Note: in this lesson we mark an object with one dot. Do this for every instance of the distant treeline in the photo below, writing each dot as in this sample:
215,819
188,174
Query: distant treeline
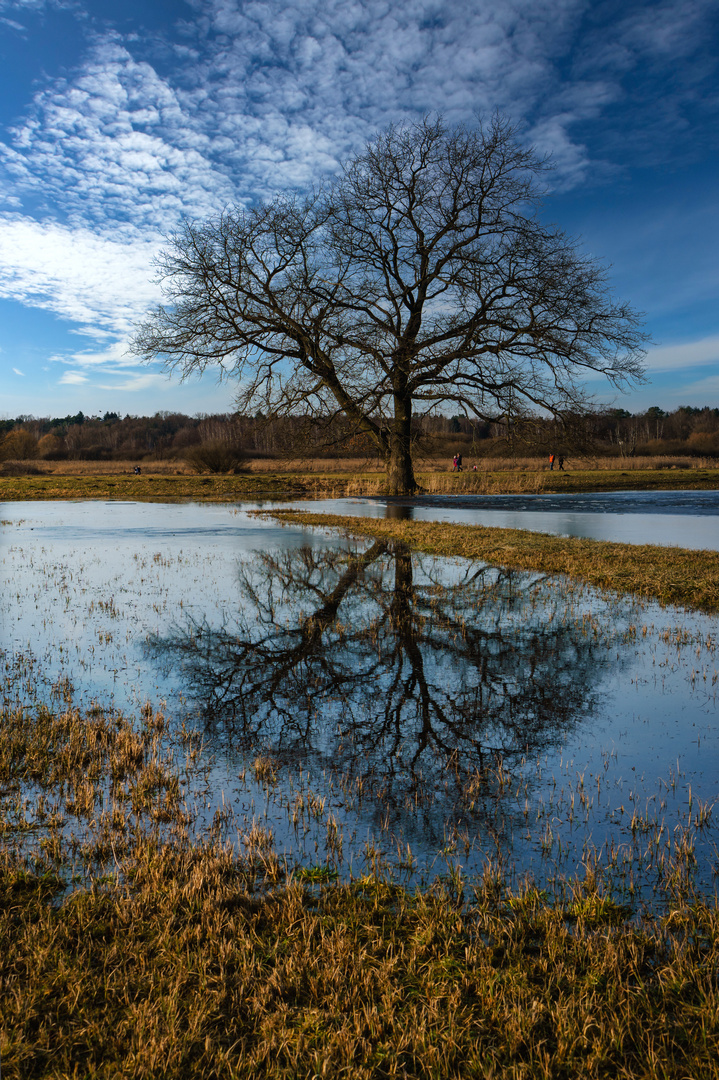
222,441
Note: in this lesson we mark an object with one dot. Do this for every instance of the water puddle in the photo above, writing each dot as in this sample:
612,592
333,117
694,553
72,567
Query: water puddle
363,707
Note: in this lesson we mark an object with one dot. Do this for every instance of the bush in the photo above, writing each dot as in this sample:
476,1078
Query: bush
19,445
18,468
51,448
216,457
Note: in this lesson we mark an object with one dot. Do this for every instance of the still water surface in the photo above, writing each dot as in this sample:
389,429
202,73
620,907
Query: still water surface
687,519
438,714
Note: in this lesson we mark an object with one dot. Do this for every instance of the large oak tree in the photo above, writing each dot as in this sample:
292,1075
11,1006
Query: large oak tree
420,278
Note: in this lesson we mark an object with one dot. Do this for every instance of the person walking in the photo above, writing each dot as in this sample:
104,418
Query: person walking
551,462
560,463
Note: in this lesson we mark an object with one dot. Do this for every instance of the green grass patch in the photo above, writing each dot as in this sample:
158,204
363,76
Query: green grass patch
315,875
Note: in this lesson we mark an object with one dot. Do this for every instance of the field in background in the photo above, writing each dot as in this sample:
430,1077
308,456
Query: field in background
165,482
360,466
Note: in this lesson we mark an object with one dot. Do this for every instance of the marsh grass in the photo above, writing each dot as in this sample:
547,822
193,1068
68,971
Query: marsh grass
346,465
161,482
499,476
670,575
141,937
149,943
186,974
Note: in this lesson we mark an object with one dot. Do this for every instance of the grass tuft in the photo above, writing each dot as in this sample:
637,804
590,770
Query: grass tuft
150,949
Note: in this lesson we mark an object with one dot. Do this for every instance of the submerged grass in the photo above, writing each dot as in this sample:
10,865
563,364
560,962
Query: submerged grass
136,939
671,575
175,955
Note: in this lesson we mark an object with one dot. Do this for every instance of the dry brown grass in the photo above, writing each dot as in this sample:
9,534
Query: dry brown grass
573,464
273,483
186,974
433,464
108,468
372,466
174,955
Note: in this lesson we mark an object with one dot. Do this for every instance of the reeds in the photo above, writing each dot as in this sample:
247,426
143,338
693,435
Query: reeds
365,465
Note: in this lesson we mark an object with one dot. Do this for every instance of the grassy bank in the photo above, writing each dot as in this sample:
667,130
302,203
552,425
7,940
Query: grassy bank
670,575
175,953
277,483
159,488
187,974
573,481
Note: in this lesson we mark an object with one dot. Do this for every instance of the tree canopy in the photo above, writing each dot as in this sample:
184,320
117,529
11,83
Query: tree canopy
421,277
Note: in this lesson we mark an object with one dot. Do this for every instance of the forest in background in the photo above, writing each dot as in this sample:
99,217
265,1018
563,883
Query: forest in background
222,442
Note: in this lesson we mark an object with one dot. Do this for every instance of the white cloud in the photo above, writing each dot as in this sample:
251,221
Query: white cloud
702,392
18,372
114,144
92,280
276,94
683,355
298,86
135,382
258,95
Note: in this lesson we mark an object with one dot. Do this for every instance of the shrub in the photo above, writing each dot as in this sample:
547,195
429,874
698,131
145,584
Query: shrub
51,448
216,457
18,445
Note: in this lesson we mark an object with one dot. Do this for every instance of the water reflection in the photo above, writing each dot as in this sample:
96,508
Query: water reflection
378,667
404,693
682,518
399,511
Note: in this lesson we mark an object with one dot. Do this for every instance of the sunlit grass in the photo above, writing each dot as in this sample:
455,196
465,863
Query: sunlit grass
148,946
336,479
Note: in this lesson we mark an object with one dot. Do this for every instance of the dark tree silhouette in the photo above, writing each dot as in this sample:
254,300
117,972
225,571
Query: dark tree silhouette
420,277
414,688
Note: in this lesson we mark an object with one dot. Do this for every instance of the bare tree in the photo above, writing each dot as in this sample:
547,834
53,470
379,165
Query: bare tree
372,663
421,276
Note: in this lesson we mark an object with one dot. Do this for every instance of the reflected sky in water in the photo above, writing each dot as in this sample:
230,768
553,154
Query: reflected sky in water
681,518
436,711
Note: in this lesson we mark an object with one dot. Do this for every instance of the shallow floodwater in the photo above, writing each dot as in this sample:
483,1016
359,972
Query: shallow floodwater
687,519
434,715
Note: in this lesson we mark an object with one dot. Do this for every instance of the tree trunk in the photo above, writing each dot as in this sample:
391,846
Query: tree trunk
403,597
400,474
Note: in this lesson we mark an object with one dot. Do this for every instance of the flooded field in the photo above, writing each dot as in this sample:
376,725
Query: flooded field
353,707
687,519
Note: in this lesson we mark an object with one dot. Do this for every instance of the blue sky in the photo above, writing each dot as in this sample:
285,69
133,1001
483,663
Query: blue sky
117,119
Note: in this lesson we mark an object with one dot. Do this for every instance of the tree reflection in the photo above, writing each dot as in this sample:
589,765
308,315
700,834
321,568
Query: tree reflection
414,678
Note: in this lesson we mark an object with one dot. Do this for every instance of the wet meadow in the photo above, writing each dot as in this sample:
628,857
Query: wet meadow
278,800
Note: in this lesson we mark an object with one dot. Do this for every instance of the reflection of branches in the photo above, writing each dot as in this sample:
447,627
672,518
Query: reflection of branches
348,656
